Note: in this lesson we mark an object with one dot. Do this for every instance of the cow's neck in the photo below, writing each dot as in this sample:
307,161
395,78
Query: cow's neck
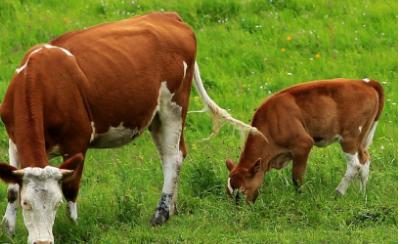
29,119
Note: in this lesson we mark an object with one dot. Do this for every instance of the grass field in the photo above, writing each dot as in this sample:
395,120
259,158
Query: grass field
247,50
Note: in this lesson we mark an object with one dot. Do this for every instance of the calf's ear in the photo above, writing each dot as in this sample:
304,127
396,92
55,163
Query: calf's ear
230,164
7,175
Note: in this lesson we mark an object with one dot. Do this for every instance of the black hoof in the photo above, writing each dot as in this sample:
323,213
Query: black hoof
160,217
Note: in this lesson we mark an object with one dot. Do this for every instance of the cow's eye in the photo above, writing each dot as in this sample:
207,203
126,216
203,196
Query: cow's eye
26,205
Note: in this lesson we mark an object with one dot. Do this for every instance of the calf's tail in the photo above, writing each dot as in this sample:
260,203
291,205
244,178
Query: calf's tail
381,100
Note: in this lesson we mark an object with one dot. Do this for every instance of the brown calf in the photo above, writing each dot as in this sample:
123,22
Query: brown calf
100,87
314,113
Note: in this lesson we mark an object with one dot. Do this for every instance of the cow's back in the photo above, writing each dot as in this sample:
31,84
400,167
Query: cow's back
126,62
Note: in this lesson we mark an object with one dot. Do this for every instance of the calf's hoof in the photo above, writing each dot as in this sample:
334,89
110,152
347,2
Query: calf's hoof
339,193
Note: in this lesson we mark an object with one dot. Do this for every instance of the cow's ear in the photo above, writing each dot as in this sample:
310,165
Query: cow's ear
7,175
72,164
230,164
255,167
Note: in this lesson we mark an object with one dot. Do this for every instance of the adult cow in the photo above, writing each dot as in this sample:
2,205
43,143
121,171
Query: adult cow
100,87
314,113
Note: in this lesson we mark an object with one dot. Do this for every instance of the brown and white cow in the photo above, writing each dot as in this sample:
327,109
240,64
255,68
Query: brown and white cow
314,113
100,87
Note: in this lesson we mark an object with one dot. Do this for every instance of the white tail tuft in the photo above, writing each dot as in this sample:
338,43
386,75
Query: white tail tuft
220,116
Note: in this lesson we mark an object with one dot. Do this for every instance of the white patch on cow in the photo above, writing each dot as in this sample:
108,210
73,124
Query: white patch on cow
93,131
353,167
360,128
368,139
54,152
40,198
48,46
25,65
185,66
72,210
231,190
114,137
13,154
18,70
10,216
366,80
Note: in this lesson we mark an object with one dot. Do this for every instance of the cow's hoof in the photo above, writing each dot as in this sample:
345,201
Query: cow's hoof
160,217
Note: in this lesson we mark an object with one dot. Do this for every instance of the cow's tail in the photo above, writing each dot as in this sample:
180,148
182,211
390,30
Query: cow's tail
381,101
219,115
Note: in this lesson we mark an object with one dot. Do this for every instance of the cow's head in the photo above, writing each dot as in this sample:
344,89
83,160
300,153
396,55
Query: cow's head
40,195
244,180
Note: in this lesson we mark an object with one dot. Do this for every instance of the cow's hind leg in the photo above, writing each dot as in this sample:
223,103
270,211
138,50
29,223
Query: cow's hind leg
10,216
167,136
155,128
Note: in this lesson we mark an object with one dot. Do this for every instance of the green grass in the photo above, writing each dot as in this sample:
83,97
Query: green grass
244,56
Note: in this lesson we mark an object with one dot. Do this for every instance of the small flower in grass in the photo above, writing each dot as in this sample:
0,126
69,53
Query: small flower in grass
283,49
289,38
317,55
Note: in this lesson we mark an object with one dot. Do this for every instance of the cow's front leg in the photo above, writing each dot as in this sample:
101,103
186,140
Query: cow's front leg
71,185
10,216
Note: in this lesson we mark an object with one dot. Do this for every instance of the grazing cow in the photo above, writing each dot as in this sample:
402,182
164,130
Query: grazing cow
100,87
314,113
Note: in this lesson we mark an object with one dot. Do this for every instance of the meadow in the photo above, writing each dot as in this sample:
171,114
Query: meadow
247,50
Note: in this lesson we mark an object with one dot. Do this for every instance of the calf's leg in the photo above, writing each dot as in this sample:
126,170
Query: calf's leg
300,159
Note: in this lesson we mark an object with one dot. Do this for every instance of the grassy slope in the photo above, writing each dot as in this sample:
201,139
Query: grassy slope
244,55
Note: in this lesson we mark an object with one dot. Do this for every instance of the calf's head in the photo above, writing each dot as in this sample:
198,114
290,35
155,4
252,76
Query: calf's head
40,195
243,180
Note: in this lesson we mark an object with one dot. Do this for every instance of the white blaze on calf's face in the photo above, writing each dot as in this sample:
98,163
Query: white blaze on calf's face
40,198
230,189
